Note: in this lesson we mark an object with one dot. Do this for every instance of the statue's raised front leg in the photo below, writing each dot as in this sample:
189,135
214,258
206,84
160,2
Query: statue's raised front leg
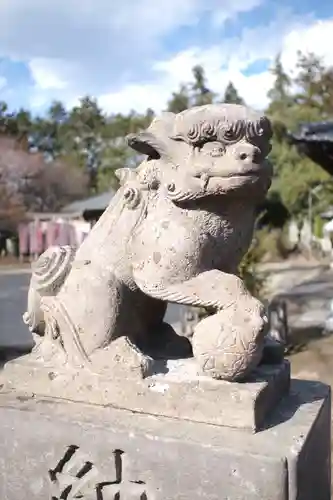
228,345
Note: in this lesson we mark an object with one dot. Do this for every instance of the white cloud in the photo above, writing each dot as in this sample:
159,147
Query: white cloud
314,38
108,48
45,74
231,9
86,38
49,79
226,63
73,47
95,33
3,82
179,70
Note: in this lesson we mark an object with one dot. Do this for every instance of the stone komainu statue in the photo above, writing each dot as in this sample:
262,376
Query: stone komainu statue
175,231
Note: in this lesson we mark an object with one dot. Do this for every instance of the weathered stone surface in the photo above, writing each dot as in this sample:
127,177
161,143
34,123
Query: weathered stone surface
163,458
175,389
175,231
111,403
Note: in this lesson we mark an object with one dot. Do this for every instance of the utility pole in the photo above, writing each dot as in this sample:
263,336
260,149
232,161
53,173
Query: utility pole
313,192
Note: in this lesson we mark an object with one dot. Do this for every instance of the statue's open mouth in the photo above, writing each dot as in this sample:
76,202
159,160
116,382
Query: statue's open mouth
228,174
215,184
206,178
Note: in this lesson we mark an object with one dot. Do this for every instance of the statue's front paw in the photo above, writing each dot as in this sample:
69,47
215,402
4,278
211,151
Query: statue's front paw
228,345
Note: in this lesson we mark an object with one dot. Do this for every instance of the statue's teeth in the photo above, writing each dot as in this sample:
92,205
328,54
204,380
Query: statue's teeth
204,178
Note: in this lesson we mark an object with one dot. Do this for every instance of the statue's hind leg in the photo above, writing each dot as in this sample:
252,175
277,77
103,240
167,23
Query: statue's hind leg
228,345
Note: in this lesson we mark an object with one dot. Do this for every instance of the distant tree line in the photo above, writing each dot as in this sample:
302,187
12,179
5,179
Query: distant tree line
49,160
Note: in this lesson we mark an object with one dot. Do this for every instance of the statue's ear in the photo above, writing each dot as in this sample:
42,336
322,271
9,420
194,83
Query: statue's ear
146,143
125,174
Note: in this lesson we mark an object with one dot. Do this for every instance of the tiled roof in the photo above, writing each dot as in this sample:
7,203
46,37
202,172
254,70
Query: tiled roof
314,132
98,203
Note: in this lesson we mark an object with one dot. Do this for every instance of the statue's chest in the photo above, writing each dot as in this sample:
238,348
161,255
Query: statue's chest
186,226
181,242
213,229
199,231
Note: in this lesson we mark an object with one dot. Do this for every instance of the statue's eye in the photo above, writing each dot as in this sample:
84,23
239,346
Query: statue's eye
214,149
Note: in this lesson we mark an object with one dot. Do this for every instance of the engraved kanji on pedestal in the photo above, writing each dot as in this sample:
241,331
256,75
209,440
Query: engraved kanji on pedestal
122,487
75,477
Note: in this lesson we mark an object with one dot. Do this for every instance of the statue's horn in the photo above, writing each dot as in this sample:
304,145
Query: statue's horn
147,143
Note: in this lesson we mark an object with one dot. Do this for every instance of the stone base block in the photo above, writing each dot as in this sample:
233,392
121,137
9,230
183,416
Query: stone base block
52,450
175,389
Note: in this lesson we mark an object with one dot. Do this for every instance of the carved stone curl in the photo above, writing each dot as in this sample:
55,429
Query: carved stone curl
175,231
48,275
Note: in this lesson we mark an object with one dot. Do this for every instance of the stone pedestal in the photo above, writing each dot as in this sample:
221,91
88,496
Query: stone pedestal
55,447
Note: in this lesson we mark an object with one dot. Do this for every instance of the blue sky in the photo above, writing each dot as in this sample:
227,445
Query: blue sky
132,54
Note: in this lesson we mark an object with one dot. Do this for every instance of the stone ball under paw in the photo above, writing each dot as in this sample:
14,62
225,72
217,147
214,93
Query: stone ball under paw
229,344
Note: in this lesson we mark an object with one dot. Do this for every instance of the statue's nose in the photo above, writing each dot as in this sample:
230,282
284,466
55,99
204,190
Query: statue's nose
249,154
